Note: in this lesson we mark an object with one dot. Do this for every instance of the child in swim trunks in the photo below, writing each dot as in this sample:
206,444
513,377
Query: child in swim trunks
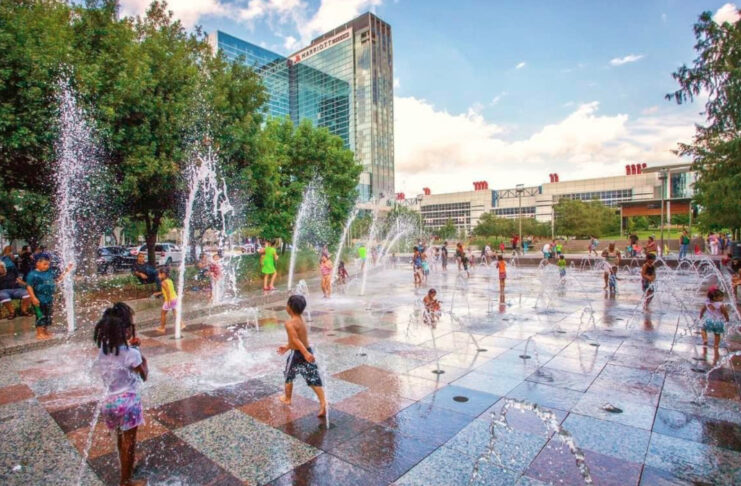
300,358
714,313
648,279
123,368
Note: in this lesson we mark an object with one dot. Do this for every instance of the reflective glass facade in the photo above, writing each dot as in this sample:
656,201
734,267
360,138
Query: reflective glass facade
343,81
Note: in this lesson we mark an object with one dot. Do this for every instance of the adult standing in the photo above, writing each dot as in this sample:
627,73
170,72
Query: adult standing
684,244
8,259
612,258
713,242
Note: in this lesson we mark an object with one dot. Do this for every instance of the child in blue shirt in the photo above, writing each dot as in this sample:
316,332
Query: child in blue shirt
41,286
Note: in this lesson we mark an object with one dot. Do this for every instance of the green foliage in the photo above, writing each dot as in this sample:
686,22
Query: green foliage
447,231
25,215
291,157
153,90
716,148
491,225
584,219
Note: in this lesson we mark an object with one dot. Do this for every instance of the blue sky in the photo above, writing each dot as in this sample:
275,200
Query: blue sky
505,91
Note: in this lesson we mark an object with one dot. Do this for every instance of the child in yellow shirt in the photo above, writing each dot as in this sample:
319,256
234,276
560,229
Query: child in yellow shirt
170,297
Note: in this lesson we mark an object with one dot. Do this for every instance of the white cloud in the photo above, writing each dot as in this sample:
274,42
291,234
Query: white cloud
498,98
520,65
619,61
188,11
447,151
332,13
290,43
397,83
726,13
650,110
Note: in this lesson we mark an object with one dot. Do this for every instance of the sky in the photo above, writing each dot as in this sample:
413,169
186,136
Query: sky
505,91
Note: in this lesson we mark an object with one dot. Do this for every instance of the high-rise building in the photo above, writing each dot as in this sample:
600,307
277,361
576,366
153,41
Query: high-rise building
342,80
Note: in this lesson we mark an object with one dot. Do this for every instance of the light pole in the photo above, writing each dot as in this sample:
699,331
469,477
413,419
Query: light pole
519,188
662,178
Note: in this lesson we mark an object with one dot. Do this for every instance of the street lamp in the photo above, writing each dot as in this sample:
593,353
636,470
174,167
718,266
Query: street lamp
519,188
662,178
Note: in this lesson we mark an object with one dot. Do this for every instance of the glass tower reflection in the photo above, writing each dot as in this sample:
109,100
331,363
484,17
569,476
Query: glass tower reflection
343,81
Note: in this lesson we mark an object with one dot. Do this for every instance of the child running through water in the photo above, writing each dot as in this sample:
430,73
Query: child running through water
648,279
612,280
502,267
40,285
300,358
561,266
325,268
268,261
123,368
170,297
714,313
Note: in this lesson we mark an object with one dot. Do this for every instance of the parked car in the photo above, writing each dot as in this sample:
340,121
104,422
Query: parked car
114,259
165,253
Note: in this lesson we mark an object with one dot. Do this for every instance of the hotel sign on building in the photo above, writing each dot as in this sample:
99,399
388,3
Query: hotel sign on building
320,46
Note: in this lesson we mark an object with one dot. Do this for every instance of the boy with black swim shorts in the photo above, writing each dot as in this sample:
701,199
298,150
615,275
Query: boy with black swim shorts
300,358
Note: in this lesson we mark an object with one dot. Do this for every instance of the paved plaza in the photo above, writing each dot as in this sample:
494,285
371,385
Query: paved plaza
619,381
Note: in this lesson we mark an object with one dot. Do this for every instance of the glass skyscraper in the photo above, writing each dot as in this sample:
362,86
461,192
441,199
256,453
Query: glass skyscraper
343,81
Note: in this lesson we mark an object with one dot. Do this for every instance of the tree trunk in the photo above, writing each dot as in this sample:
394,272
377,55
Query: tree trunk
152,224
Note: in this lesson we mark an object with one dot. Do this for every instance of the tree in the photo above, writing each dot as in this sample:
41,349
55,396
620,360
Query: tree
491,225
291,157
447,231
26,215
716,146
584,219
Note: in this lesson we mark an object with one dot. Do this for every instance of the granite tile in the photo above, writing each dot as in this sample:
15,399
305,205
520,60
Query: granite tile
104,439
275,413
513,449
546,396
692,461
165,459
696,428
327,470
428,422
462,400
446,467
487,383
608,438
247,448
34,449
595,404
385,452
372,406
189,410
245,392
555,464
326,433
14,393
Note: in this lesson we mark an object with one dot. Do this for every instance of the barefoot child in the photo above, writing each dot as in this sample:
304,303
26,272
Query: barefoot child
432,305
561,266
612,280
502,267
268,260
342,274
40,285
648,278
714,313
325,267
170,297
122,367
300,358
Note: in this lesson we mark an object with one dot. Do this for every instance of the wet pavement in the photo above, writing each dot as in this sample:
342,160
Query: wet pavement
409,404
